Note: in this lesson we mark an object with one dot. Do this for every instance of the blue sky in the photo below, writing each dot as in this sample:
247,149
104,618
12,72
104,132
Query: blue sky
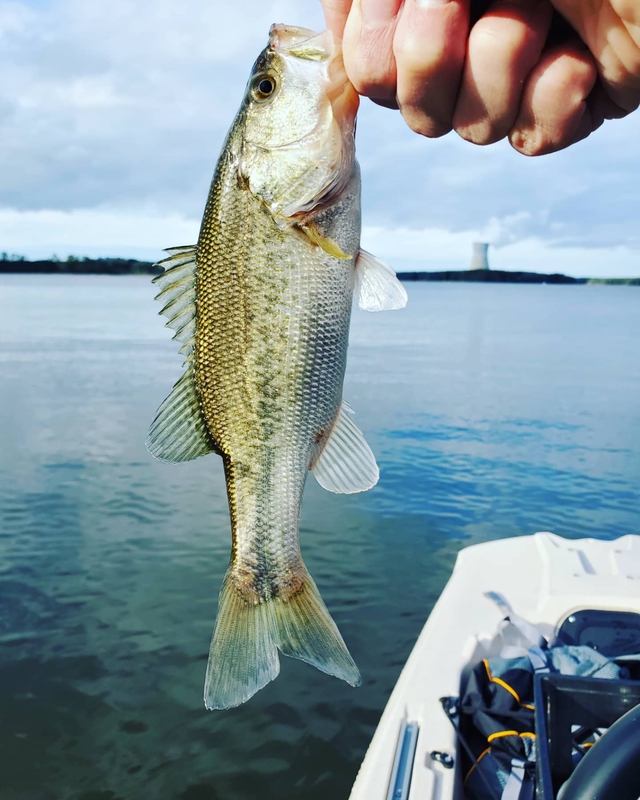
112,116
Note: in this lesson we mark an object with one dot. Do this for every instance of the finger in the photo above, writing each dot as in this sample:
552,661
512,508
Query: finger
602,107
599,107
554,110
429,47
611,31
368,48
504,46
335,15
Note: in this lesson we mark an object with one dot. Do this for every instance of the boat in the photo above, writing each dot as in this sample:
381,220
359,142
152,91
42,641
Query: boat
575,592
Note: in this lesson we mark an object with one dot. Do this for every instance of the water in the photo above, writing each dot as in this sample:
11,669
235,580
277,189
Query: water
494,410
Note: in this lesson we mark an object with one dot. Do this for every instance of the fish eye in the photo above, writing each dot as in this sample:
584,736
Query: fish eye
263,87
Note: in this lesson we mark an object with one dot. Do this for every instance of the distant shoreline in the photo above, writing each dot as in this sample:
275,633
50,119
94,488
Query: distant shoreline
503,276
131,266
79,266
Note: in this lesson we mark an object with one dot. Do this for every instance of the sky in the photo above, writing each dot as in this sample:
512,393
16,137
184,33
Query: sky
112,115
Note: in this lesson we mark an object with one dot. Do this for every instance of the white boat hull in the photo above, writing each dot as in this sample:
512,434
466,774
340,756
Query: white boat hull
544,578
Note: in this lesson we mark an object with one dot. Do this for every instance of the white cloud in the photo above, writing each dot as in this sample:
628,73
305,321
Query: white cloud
535,255
588,194
434,249
94,232
128,233
116,112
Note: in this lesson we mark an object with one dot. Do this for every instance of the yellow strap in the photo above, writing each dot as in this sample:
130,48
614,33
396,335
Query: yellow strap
500,734
505,685
478,760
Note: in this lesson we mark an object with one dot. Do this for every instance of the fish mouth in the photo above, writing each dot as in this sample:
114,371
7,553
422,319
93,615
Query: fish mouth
301,42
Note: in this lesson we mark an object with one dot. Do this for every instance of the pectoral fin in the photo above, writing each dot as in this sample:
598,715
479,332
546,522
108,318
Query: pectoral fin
377,288
324,242
346,464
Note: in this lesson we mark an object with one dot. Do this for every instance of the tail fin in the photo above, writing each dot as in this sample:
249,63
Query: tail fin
244,650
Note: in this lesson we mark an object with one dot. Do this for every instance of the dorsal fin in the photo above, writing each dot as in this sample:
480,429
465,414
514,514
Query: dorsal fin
346,463
178,294
179,431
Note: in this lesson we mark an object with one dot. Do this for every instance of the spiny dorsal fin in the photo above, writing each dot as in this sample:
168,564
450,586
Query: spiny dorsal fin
179,432
178,294
377,288
346,464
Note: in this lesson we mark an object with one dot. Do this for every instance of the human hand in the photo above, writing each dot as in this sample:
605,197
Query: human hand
499,77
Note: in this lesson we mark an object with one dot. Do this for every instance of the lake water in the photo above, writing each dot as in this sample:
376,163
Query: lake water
494,410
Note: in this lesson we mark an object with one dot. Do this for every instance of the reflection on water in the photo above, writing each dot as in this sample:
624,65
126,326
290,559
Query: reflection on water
494,411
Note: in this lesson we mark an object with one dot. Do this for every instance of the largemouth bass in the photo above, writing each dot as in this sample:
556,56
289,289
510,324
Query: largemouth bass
262,306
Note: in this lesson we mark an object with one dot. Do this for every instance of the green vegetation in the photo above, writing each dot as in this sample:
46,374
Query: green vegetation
76,265
616,281
503,276
489,276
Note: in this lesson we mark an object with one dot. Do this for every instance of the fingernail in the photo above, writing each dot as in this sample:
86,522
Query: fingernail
377,13
431,3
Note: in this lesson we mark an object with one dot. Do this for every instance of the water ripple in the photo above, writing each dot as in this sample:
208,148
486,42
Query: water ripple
485,424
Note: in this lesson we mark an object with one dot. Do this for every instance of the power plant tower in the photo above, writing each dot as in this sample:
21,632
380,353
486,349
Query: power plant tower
479,256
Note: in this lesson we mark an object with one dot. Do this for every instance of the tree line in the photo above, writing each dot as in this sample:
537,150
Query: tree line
11,262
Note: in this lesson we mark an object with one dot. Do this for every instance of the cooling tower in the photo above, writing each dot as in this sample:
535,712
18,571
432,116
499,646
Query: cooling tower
479,256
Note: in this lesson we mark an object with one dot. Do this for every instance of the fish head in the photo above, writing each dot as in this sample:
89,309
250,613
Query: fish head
298,123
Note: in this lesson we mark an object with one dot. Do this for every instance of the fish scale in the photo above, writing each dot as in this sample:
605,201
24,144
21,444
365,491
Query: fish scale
275,327
262,306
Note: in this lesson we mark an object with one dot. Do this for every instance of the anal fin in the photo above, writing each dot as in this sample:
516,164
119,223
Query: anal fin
346,463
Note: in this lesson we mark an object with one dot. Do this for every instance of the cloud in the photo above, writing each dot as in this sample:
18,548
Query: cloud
94,232
122,232
122,103
118,110
435,249
588,194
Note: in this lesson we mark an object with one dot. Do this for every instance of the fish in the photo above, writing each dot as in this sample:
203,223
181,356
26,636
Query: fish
261,307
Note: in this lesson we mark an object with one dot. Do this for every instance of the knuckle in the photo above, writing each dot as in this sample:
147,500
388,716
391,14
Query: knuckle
372,74
481,133
429,59
374,87
423,124
410,51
